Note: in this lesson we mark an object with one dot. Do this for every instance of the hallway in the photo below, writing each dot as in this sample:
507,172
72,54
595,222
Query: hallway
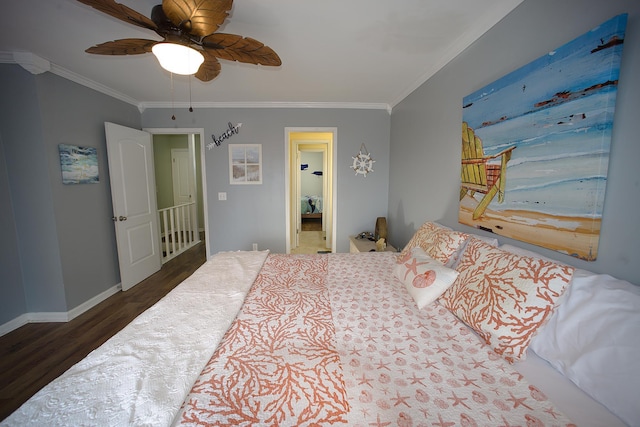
310,243
311,238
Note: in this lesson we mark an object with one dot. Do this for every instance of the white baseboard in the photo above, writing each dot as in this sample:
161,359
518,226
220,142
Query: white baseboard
45,317
72,314
14,324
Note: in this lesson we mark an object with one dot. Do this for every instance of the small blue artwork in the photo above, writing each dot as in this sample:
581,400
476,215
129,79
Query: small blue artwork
79,164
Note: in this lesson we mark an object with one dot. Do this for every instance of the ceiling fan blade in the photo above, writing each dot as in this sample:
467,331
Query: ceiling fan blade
123,47
242,49
121,12
209,69
197,17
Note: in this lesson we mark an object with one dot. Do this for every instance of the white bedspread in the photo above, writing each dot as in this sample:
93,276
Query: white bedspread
142,374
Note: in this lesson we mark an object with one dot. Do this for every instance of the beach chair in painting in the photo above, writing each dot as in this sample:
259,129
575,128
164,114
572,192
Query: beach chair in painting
480,173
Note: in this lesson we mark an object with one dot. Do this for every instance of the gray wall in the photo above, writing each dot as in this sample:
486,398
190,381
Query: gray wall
27,164
256,213
64,233
425,128
13,302
73,114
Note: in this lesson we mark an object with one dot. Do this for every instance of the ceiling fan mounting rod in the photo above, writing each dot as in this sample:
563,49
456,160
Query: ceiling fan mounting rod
172,33
179,38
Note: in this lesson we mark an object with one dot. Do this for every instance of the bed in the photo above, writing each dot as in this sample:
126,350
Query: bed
379,338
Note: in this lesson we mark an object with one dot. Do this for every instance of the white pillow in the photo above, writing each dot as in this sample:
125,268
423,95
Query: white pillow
593,339
424,277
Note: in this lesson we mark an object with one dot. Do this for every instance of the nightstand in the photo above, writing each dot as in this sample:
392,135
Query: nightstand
365,245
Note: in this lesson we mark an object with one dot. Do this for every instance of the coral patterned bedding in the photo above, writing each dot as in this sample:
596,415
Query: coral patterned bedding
337,339
434,336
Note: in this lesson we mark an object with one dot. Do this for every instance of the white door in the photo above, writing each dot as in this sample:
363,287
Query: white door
182,176
184,186
325,191
135,216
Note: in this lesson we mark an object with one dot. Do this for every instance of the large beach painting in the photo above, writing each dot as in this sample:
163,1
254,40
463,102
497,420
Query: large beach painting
535,145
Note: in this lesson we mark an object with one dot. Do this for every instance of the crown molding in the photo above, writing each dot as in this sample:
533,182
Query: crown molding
6,58
336,105
32,63
81,80
37,65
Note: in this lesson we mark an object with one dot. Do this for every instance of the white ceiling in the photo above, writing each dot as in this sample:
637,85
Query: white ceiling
366,53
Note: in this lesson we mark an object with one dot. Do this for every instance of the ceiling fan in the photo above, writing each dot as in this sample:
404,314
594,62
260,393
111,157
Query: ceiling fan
190,25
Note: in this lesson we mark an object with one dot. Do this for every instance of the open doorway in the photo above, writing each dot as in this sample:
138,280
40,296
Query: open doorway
310,190
179,159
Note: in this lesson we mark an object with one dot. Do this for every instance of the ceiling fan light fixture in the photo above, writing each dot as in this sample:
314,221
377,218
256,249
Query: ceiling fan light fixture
178,58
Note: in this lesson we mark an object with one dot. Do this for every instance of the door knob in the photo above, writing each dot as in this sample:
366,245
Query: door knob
114,218
122,218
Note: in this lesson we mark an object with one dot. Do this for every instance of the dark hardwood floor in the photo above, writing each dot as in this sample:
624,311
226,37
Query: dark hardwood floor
35,354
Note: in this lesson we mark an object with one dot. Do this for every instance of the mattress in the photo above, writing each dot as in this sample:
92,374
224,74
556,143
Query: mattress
583,410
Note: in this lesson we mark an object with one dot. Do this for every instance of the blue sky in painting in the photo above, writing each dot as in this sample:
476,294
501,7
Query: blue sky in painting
571,67
561,130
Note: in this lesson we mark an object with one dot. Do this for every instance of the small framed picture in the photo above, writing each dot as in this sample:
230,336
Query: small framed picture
79,164
245,163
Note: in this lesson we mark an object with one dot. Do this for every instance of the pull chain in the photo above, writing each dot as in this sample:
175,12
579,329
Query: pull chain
173,111
190,107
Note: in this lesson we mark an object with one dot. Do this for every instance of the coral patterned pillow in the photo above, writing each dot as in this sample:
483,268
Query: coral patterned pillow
440,243
425,278
505,297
